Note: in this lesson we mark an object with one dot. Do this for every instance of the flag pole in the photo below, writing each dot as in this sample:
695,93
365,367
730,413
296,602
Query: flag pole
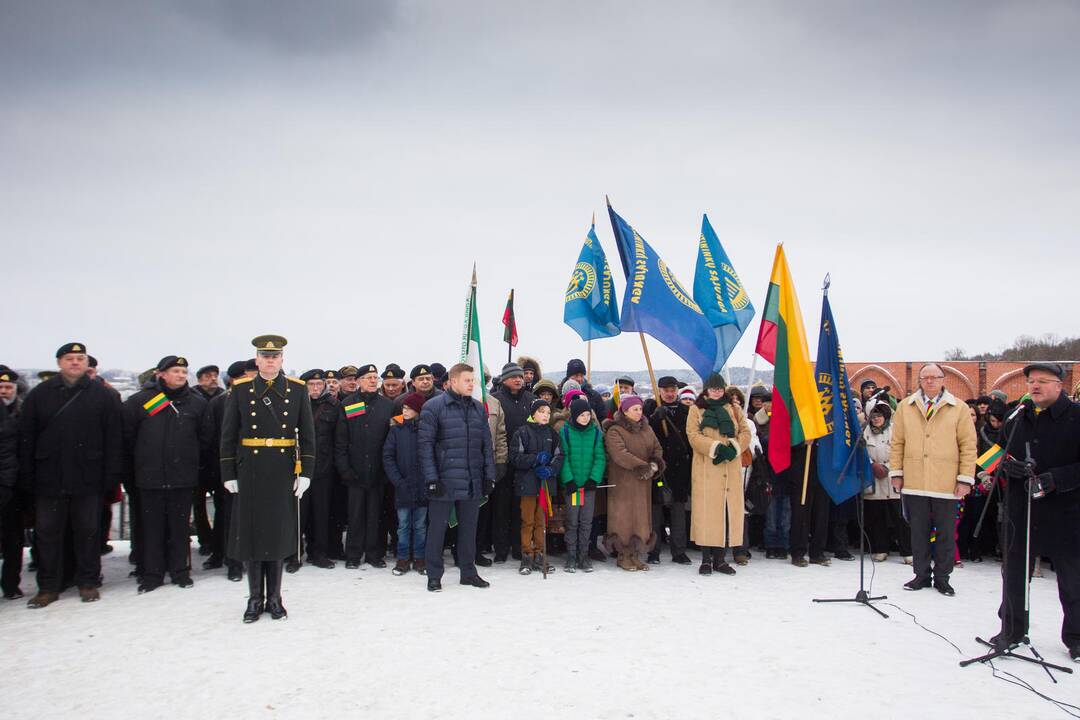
750,385
806,471
588,361
648,364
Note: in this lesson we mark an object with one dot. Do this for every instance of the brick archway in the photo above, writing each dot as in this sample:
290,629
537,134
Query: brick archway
895,385
949,370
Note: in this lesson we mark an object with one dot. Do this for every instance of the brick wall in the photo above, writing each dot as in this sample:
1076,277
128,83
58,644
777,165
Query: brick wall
965,378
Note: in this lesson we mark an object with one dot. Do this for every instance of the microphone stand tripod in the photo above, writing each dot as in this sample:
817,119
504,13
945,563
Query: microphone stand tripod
861,597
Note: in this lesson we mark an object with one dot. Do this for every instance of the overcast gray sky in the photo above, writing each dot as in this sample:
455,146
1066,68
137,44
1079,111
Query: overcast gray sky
177,177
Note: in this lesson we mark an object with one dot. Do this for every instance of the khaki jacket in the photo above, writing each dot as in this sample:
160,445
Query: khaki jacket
933,455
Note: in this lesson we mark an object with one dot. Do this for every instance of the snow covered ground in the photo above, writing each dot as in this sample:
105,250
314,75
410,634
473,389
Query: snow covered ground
667,643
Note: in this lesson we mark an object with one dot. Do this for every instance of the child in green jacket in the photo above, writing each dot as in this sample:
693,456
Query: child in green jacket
582,471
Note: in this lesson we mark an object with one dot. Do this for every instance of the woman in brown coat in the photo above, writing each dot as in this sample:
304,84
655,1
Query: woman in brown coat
718,434
635,461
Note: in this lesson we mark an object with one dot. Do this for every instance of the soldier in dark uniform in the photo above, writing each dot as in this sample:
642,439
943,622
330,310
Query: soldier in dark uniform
267,457
12,502
70,456
167,431
223,499
1050,481
345,380
392,388
315,505
362,426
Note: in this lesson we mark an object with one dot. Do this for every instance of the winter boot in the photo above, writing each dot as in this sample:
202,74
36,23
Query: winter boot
420,567
585,562
635,558
706,562
272,570
719,562
538,564
526,565
255,604
571,562
401,567
626,563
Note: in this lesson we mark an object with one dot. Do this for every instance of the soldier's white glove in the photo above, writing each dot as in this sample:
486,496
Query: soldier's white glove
232,486
300,486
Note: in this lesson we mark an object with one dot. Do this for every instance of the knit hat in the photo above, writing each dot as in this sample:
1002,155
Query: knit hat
687,393
997,409
510,370
575,367
570,385
537,404
236,369
867,383
415,401
715,380
629,401
1000,395
545,385
578,406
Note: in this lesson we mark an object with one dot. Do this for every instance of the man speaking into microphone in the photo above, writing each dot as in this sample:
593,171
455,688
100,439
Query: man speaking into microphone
1043,468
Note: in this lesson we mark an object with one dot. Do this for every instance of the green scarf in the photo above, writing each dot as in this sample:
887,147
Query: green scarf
715,416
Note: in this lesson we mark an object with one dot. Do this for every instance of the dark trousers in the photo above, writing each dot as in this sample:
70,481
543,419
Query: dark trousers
809,522
166,542
483,528
677,537
505,517
106,523
223,502
387,521
11,543
1066,560
438,516
135,519
339,516
365,508
315,518
52,516
885,524
202,519
924,512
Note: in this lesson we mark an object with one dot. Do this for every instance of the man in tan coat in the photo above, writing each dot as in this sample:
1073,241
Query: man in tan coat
933,466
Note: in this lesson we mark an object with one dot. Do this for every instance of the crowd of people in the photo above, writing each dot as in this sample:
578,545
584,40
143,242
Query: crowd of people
380,464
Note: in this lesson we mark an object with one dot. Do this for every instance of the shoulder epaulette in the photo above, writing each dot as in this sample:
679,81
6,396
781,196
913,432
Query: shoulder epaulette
239,381
298,381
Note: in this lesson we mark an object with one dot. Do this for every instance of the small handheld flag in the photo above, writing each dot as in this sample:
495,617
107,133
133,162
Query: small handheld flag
510,332
990,459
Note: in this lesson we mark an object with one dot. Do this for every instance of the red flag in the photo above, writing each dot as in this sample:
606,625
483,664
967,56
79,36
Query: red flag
510,334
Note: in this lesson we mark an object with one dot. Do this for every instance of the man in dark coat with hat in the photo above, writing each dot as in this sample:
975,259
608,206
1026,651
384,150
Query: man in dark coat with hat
315,505
71,456
167,432
1048,479
668,422
11,502
516,403
362,426
223,499
267,457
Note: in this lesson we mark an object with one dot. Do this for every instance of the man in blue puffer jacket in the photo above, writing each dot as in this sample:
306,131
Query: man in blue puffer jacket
458,468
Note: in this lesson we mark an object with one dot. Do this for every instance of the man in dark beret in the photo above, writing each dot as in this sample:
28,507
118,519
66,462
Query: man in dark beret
348,380
393,382
70,457
208,385
362,426
167,432
315,505
11,526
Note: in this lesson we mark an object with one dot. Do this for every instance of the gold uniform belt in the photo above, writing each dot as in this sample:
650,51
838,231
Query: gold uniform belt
268,442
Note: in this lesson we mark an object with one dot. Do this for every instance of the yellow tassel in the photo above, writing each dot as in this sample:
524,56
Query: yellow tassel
296,468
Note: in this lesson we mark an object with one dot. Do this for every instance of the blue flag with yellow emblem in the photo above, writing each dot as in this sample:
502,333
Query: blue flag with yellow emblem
720,294
590,307
656,303
840,478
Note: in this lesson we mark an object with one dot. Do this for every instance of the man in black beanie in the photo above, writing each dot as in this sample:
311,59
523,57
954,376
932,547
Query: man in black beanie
516,403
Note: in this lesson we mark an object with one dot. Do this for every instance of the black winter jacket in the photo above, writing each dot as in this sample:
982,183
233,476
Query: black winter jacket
167,449
455,446
358,441
401,460
9,448
528,442
71,449
669,425
325,411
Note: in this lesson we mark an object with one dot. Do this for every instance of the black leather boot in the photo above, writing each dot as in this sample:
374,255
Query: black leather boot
255,591
272,569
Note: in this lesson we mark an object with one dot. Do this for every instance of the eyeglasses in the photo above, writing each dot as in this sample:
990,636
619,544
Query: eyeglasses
932,377
1034,381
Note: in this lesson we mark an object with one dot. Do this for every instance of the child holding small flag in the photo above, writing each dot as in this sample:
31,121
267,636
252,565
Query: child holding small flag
582,471
537,457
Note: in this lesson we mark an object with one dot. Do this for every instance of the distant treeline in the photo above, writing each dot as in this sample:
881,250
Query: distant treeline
1027,347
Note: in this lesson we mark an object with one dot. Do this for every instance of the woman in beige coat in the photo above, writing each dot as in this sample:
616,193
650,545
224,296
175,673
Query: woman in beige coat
635,460
717,434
